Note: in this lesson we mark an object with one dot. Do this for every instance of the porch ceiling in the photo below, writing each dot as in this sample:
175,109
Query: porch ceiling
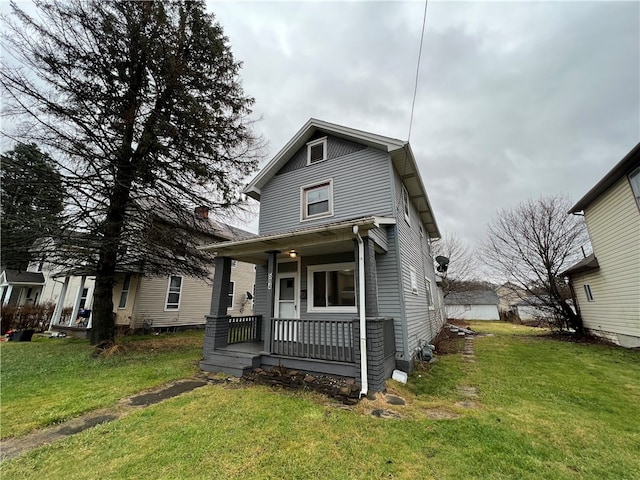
309,241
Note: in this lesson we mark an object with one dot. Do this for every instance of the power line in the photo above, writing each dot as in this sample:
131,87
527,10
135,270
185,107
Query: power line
415,89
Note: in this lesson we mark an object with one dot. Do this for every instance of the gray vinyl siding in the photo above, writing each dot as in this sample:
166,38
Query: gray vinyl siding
361,187
336,147
389,289
422,323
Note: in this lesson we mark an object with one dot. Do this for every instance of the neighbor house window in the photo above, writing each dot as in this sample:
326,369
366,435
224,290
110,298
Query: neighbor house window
332,288
232,289
317,200
634,180
126,284
414,280
83,297
174,292
317,151
405,204
587,292
427,285
234,263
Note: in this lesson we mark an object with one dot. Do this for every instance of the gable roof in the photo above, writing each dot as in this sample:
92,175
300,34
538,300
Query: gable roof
622,168
399,150
472,297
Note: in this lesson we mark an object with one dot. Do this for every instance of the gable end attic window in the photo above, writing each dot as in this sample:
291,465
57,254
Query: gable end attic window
317,151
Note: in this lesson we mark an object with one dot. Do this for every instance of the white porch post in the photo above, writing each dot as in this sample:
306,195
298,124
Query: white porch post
76,304
90,319
7,295
57,312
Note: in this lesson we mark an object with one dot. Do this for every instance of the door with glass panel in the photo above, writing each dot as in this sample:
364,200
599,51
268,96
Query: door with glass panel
286,307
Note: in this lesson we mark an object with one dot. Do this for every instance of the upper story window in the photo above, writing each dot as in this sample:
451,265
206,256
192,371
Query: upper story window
174,292
405,204
588,293
634,180
317,200
414,280
317,151
427,284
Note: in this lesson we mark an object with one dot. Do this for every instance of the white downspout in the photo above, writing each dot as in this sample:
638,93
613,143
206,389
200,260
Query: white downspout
363,318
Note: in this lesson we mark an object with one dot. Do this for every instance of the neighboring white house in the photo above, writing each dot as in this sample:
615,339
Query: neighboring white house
472,305
607,283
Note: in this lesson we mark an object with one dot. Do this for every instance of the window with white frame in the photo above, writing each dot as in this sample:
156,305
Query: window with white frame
232,289
405,204
414,280
427,285
331,288
588,293
174,292
234,263
317,151
124,294
317,200
634,180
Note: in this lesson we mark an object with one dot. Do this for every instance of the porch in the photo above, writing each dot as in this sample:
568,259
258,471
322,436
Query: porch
318,346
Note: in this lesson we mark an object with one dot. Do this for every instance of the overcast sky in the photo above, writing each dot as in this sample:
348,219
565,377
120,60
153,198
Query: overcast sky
515,99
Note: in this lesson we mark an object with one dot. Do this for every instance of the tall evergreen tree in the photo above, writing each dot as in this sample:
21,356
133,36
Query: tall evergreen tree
31,199
143,103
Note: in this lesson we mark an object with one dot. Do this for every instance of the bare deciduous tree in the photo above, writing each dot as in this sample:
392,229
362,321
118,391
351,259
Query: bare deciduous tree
530,245
463,262
141,105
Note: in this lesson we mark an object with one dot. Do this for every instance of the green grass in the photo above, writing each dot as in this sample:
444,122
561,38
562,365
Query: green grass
50,380
545,410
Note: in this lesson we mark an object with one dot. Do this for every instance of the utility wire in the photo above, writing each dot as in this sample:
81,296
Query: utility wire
415,89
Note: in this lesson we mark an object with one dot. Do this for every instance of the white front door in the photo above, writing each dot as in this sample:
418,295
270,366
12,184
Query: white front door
286,302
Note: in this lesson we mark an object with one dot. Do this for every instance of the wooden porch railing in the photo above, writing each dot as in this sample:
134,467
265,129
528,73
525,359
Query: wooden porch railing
331,340
244,329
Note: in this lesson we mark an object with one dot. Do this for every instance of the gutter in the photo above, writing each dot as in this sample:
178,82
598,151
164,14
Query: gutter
363,319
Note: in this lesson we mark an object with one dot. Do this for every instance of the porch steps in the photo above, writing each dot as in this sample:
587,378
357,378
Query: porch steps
231,363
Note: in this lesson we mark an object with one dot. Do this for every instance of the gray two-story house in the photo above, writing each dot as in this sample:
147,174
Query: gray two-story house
345,280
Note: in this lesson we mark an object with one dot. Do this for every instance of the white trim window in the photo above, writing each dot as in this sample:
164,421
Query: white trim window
124,293
413,278
316,201
317,151
174,293
427,285
634,180
234,263
405,204
332,288
232,291
588,293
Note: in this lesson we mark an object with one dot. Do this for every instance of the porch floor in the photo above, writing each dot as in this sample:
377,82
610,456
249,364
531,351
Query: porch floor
245,347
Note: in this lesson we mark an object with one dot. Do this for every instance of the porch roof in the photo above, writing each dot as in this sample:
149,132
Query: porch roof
314,239
16,277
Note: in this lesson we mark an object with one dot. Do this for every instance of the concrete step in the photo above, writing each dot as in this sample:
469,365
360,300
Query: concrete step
231,363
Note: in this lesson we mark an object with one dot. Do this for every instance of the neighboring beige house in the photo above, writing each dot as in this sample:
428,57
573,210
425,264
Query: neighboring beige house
176,300
607,283
509,295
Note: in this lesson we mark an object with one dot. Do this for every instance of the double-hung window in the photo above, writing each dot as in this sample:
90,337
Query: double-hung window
332,288
405,204
174,292
317,200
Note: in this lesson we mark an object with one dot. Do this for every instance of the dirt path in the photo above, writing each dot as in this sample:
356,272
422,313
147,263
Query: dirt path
13,447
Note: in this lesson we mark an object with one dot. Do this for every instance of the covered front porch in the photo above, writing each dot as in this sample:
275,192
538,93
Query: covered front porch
316,304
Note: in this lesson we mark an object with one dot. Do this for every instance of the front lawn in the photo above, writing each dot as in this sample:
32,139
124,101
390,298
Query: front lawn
49,380
541,409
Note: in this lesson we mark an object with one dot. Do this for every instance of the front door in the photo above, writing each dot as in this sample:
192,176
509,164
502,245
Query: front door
286,304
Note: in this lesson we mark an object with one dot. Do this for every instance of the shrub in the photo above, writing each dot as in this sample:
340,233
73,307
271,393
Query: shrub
24,317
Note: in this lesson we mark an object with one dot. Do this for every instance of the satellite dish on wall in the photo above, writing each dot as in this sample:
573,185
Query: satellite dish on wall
443,263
